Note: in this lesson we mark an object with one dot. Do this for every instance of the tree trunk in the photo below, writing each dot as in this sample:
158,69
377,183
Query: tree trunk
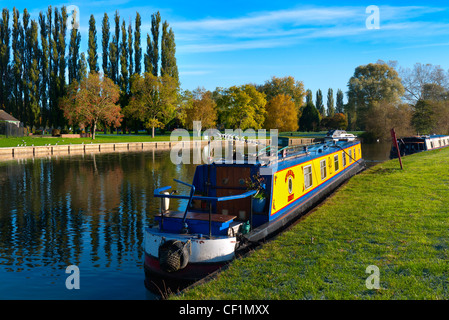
94,127
152,132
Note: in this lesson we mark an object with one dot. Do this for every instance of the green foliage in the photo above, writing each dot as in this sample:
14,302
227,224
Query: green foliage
373,83
242,107
153,100
330,103
92,54
319,103
310,118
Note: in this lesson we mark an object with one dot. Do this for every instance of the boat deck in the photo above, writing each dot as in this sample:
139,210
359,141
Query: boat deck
222,218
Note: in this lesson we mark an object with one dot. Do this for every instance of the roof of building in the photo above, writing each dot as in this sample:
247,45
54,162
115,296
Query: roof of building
6,116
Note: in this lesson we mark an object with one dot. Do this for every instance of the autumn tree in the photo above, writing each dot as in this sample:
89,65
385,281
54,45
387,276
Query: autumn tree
242,107
200,107
92,100
287,86
281,114
153,100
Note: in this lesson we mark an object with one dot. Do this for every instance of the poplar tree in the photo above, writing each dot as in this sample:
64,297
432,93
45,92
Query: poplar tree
34,109
152,54
330,103
43,66
319,103
116,40
17,63
74,56
124,60
5,33
106,34
168,51
137,46
92,55
26,60
340,107
82,63
130,51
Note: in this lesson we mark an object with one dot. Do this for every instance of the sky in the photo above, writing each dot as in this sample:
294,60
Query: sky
226,43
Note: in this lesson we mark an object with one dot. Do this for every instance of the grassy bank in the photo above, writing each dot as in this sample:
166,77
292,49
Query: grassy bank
99,138
396,220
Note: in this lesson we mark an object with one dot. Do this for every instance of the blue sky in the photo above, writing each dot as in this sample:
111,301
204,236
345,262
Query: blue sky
225,43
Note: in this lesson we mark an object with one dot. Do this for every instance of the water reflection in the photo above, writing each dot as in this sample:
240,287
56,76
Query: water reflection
85,210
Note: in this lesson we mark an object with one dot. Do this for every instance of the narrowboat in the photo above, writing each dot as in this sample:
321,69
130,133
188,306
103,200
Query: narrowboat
231,205
415,144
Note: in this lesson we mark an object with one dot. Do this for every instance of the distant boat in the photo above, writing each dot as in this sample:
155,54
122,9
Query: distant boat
415,144
339,135
223,215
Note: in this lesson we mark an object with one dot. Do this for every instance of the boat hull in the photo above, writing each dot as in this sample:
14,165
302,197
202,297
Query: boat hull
204,257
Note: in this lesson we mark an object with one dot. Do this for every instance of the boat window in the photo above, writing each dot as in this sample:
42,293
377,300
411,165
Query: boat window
323,169
308,177
344,158
350,155
336,162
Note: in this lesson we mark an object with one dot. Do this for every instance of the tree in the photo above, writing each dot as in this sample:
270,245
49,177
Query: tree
130,51
137,47
152,101
91,101
373,83
242,107
168,53
330,103
34,109
309,96
44,67
74,56
281,114
340,104
92,55
106,34
287,86
384,115
414,80
124,77
319,103
310,118
151,57
5,49
337,121
423,117
200,107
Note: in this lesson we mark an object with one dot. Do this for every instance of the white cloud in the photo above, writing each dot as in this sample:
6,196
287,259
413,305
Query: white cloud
289,27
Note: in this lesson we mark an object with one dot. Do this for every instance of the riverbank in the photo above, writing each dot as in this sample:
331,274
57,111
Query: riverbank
394,220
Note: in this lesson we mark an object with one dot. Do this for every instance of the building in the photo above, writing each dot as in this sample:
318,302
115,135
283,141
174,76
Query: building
9,125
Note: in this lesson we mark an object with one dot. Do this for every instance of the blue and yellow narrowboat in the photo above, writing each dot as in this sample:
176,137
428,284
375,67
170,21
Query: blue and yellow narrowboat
233,204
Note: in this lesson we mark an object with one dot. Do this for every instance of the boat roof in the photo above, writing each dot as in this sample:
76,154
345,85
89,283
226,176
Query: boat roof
284,157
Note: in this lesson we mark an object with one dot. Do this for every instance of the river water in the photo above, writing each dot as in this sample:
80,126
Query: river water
88,211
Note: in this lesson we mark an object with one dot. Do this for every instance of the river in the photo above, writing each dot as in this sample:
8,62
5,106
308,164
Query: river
88,211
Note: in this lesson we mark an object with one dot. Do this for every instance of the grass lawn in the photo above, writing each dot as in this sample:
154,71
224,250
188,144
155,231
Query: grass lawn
99,138
395,220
